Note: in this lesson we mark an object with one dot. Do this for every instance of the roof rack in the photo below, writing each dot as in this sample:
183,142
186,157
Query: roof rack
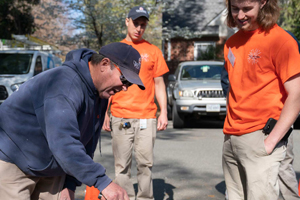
26,42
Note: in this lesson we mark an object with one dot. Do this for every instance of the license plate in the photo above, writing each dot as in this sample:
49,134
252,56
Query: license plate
213,108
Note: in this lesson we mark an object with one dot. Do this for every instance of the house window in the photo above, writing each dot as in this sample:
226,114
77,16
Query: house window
202,47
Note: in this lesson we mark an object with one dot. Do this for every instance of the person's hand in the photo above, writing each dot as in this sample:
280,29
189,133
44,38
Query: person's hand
162,122
269,146
106,123
114,192
67,194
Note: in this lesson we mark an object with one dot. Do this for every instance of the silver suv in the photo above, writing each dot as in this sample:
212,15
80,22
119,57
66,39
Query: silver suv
194,91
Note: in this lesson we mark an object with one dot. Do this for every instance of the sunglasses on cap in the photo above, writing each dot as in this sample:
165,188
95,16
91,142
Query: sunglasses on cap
122,77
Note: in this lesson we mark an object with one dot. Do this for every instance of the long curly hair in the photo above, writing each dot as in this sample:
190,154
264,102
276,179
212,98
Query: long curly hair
266,18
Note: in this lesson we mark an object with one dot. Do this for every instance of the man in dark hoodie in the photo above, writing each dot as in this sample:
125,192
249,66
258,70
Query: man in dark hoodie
49,128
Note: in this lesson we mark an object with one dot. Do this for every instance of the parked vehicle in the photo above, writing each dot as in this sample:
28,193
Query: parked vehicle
195,90
17,66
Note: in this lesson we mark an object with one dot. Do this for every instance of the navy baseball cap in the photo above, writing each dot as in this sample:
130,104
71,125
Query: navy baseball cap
128,60
138,11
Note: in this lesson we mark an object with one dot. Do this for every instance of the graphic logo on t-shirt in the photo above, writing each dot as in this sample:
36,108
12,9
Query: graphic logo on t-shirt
253,56
145,57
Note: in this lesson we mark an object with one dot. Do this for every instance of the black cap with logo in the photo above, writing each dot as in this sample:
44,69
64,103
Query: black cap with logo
138,11
127,58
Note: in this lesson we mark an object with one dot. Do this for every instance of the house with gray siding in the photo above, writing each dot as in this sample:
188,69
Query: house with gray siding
191,26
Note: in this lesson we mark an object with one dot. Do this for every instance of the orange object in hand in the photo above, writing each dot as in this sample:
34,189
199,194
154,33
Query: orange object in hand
91,193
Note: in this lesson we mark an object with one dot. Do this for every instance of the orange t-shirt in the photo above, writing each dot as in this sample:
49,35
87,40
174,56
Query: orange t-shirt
258,64
137,103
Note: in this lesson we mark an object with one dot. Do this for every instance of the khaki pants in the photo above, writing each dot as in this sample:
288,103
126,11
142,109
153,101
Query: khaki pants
124,141
288,182
250,173
15,185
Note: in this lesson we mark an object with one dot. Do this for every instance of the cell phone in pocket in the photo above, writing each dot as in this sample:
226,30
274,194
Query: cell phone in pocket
270,125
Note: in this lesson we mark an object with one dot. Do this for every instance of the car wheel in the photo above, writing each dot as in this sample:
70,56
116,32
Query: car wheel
169,110
178,121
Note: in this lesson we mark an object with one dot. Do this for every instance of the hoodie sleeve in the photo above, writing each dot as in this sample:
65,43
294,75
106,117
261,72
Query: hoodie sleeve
71,183
63,136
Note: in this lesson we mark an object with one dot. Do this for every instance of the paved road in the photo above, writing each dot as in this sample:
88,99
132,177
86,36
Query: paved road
187,162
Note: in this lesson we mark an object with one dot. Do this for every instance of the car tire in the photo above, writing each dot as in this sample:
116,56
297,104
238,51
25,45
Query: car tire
178,121
169,110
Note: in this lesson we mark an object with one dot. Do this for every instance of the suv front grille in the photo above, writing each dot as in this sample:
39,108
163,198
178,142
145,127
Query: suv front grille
210,94
3,93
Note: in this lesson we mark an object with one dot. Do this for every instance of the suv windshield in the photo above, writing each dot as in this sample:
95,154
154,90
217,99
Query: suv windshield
15,63
201,72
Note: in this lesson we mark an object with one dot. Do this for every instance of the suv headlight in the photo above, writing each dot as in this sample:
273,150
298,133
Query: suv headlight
186,93
15,87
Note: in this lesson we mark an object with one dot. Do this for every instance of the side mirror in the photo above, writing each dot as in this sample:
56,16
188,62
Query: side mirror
172,77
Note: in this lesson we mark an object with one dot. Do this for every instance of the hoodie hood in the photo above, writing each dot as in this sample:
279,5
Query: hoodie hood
78,60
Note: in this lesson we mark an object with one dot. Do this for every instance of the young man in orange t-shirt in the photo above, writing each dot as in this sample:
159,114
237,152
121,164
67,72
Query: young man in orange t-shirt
262,62
288,183
139,109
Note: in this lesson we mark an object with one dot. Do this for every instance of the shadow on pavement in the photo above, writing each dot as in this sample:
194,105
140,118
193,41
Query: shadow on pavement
210,123
160,190
221,187
298,176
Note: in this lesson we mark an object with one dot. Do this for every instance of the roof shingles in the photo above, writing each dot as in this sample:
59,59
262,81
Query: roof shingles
192,15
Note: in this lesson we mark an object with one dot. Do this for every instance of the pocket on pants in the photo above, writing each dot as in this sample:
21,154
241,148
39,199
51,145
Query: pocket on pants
261,147
115,126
